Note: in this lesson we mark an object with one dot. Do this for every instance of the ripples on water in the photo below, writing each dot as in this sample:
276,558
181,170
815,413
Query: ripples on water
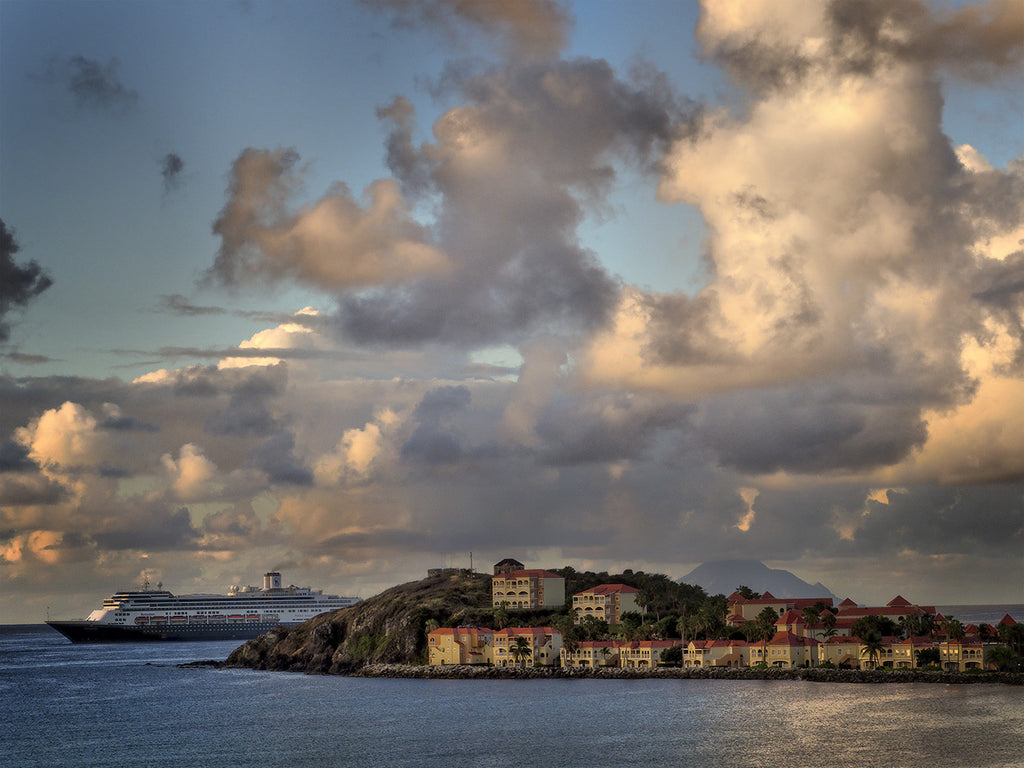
129,705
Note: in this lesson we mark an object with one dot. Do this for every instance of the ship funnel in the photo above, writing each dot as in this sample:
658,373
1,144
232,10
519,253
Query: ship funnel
272,580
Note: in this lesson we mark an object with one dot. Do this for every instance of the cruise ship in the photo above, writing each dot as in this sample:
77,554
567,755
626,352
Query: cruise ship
243,613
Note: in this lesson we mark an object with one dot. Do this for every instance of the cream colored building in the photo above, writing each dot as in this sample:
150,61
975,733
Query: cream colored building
716,653
532,588
606,602
840,652
641,654
544,646
592,654
785,650
460,645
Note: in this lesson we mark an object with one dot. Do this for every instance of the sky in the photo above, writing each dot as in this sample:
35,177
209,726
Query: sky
352,290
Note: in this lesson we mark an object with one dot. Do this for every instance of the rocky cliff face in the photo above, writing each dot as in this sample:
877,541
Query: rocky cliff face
386,629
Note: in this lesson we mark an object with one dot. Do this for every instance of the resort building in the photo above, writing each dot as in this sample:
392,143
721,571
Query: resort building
840,651
507,566
716,653
460,645
592,654
640,654
528,589
542,646
785,650
606,602
741,609
904,653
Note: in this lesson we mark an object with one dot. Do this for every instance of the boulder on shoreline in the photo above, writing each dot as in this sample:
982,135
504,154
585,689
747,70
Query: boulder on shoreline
817,674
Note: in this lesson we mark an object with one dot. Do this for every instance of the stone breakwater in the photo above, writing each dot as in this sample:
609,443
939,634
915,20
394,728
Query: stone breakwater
465,672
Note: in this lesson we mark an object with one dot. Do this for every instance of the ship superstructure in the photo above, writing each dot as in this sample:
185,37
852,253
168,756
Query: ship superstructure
243,613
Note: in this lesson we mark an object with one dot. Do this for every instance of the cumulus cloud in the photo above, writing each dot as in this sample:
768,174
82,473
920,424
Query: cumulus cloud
335,243
19,283
191,475
847,242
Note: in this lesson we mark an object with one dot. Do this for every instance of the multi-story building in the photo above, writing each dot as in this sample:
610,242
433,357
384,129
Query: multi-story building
460,645
716,653
639,654
840,651
528,589
606,602
542,645
785,650
592,654
742,609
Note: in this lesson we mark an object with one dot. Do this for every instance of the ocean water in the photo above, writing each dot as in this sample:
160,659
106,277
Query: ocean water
122,705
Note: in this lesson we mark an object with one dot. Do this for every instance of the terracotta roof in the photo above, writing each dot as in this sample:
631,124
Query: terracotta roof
1008,621
609,589
767,595
792,616
788,638
899,600
540,573
847,602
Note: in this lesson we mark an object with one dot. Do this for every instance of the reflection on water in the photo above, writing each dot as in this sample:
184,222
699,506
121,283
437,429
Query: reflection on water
128,705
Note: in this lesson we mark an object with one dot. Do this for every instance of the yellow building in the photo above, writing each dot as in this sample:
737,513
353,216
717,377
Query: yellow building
528,589
606,602
592,654
904,653
840,652
961,656
542,647
640,654
460,645
716,653
785,650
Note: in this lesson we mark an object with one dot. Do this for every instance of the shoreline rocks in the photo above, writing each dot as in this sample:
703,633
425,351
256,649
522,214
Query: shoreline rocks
818,675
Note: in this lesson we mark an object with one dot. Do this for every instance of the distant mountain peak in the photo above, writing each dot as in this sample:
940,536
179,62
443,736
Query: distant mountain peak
723,576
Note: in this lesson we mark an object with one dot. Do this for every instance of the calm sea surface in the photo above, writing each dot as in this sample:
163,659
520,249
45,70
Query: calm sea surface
129,705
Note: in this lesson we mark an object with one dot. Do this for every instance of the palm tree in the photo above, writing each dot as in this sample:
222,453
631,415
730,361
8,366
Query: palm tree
764,630
811,617
872,645
521,650
954,632
828,621
1002,657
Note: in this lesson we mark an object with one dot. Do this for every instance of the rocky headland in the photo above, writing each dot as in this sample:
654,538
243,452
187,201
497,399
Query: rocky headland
385,636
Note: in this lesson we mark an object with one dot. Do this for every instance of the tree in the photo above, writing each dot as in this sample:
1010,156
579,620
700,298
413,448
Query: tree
521,650
954,630
928,656
872,646
747,593
811,617
764,629
673,656
1002,657
828,620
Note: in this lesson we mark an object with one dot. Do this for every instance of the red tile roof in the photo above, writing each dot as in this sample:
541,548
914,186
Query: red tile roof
609,589
539,573
1008,621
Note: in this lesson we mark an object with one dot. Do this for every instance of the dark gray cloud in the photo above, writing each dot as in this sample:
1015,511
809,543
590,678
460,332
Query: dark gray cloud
249,411
171,168
148,528
14,458
276,457
435,441
94,84
19,283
